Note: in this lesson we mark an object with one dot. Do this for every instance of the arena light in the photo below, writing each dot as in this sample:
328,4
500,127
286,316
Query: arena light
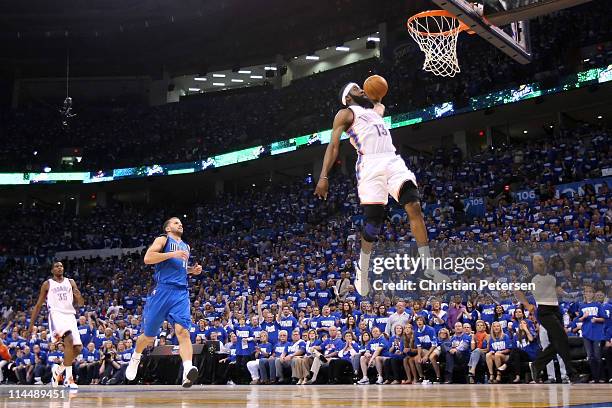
218,83
599,117
270,68
244,71
312,57
375,39
237,80
525,132
200,79
218,75
194,89
256,76
35,152
342,48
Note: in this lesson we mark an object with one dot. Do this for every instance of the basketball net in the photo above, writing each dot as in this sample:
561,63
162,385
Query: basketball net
436,33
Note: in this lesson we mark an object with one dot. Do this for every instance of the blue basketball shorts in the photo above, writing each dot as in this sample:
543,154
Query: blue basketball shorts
166,302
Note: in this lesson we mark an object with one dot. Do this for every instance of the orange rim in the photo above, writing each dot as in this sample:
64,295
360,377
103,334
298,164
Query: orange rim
435,13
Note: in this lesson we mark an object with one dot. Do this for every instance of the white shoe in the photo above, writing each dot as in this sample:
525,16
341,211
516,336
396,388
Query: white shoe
364,381
380,380
230,382
56,377
361,281
132,369
189,377
71,384
37,381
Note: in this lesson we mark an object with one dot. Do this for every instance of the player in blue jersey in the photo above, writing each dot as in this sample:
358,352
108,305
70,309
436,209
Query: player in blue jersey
170,298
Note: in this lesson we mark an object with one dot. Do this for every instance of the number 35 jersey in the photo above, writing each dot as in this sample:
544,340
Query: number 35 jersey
60,297
368,133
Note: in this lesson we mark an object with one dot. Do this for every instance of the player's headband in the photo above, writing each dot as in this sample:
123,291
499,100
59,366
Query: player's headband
346,91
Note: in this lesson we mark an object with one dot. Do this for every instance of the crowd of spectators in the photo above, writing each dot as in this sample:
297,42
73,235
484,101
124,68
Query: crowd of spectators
278,261
202,126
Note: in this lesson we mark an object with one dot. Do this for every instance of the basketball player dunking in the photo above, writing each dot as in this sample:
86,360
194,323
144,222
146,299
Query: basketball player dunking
380,173
170,298
60,293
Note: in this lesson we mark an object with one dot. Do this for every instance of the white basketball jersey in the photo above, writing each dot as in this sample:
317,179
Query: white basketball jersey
369,133
59,297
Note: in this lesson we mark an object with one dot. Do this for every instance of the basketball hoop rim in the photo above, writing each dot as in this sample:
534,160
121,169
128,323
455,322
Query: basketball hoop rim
436,13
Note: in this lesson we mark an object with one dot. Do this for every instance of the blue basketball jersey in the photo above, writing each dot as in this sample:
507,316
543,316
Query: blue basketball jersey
172,271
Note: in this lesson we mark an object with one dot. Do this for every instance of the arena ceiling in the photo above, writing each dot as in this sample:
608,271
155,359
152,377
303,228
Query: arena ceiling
135,37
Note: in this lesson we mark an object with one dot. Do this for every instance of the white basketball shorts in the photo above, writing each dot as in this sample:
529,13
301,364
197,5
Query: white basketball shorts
60,323
379,176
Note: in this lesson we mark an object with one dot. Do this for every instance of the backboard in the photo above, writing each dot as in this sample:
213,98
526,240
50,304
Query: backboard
505,23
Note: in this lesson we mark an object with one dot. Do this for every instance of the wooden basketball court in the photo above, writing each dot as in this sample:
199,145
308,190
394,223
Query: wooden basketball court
150,396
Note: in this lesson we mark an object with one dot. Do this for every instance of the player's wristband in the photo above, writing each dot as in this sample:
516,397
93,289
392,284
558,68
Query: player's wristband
325,177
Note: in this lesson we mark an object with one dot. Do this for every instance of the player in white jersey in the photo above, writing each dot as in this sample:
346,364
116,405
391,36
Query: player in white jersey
380,172
60,292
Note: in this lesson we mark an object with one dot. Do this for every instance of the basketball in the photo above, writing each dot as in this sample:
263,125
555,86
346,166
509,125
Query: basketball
375,87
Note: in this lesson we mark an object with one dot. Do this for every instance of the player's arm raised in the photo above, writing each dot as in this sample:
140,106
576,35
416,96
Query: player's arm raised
379,108
155,256
44,289
77,293
342,122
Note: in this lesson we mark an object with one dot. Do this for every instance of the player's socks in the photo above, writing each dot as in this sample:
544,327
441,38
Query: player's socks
69,381
190,374
424,251
361,273
364,261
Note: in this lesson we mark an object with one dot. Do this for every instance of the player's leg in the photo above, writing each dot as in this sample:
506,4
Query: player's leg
71,350
179,314
77,347
374,218
373,196
402,186
190,373
57,369
408,197
153,316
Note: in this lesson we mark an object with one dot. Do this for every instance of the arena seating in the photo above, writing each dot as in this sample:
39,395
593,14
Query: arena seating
271,240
